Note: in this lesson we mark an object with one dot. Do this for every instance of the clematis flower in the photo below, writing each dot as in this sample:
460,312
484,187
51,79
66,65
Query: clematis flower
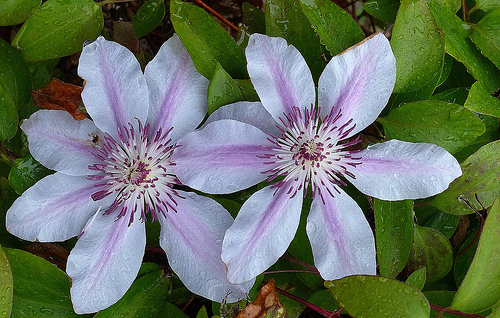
289,142
112,171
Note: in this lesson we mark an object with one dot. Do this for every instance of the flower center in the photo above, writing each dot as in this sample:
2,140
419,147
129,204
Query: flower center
136,170
309,151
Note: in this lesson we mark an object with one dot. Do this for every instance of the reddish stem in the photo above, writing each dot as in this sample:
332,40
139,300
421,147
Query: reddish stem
443,310
217,14
319,310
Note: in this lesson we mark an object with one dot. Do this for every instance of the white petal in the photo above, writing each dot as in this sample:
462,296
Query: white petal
56,208
221,158
178,93
341,238
358,82
192,239
105,261
115,92
279,74
261,233
398,170
62,143
252,113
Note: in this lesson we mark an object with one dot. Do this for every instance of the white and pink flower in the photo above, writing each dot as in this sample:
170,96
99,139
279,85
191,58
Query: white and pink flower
114,169
287,140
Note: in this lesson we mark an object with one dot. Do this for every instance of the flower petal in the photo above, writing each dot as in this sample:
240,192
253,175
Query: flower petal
192,239
115,92
178,93
261,233
56,208
252,113
221,158
398,170
61,143
105,261
341,238
279,74
358,82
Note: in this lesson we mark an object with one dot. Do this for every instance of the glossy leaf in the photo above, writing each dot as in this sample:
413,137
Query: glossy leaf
253,21
453,95
417,278
431,250
144,298
459,45
336,28
385,10
394,235
371,296
450,126
59,28
6,285
480,101
14,11
480,289
486,35
444,223
148,17
480,175
26,172
222,90
417,45
485,5
441,298
206,41
285,18
15,85
171,311
40,288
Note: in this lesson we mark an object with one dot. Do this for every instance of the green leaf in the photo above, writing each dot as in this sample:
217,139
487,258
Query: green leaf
336,28
26,172
17,11
459,45
444,223
285,18
486,35
450,126
202,313
480,288
206,41
40,288
171,311
480,101
453,95
59,28
253,21
144,298
371,296
394,235
385,10
417,278
222,90
480,175
324,299
485,5
15,86
441,298
148,17
431,250
417,45
7,285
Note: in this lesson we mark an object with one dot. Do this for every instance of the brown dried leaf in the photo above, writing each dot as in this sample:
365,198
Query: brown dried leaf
51,252
60,95
266,304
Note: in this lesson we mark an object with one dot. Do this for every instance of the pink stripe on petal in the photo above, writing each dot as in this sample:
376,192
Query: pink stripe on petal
192,238
261,233
358,82
341,238
105,261
178,93
398,170
223,157
56,208
61,143
115,92
279,74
